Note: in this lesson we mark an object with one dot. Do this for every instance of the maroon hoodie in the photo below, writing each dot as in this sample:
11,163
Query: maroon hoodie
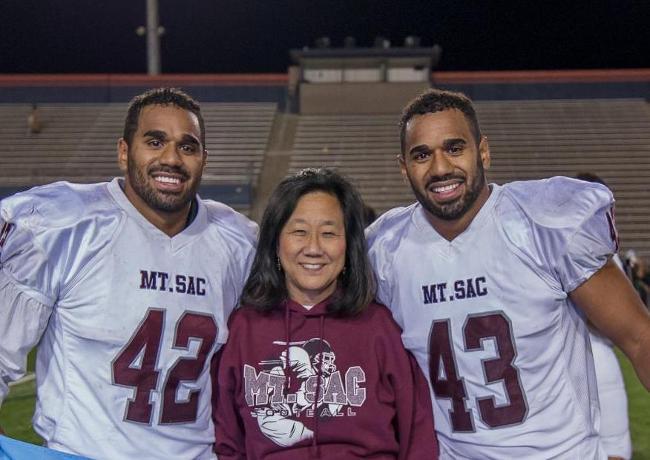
350,389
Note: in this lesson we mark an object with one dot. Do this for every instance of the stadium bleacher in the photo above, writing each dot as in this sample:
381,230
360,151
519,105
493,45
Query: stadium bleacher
78,143
529,139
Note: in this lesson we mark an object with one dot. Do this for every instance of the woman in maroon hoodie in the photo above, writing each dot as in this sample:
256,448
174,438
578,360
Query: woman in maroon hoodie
312,367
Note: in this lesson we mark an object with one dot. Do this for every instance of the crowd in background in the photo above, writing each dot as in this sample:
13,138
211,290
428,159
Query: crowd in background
636,269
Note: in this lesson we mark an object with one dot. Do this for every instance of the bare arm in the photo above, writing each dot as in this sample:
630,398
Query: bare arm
614,307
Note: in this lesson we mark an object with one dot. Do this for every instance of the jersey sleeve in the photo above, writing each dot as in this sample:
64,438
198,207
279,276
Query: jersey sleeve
565,225
23,257
28,288
48,235
55,232
245,244
589,248
248,244
381,271
383,238
28,285
22,322
238,234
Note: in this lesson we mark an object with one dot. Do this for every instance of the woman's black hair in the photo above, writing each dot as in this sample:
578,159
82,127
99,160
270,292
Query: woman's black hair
266,288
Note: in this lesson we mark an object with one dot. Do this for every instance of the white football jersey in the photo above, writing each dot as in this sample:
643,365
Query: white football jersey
489,320
123,366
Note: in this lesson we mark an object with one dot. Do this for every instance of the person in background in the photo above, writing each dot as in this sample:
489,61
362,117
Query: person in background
34,124
312,367
614,422
126,287
638,273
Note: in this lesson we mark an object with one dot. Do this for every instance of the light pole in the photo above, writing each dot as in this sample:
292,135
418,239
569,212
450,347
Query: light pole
153,32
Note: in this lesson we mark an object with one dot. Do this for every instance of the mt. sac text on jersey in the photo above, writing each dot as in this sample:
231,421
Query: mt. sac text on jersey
181,284
462,289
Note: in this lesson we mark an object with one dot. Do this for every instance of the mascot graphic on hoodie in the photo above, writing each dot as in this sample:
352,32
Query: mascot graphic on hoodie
302,384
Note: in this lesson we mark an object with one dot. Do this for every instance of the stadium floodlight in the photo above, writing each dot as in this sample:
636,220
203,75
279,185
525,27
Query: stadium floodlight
322,42
349,42
412,41
382,42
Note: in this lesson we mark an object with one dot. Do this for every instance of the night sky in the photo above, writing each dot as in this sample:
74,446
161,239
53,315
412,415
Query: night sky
227,36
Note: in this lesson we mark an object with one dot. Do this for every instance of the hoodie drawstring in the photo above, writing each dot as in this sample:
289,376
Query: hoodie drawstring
314,449
319,377
287,334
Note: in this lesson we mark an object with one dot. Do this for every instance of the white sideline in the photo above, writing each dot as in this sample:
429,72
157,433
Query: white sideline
27,378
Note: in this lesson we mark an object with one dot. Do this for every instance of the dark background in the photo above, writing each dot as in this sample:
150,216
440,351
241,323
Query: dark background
224,36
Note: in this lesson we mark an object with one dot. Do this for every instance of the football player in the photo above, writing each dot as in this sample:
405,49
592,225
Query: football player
491,285
126,286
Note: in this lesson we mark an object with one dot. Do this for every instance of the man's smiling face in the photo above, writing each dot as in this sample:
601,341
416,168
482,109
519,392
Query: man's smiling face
444,164
165,160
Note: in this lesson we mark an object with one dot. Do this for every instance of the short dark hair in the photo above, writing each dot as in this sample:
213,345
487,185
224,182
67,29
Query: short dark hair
164,97
436,100
266,288
590,177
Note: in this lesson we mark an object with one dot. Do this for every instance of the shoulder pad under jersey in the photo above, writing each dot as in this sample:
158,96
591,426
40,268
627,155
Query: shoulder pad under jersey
56,230
384,237
389,227
239,236
564,226
230,222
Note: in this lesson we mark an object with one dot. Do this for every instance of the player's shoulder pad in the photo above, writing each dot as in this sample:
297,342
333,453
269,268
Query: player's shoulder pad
51,228
230,222
557,202
542,220
56,205
387,230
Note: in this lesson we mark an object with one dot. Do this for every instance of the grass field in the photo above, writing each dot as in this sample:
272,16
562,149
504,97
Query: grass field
16,412
639,411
